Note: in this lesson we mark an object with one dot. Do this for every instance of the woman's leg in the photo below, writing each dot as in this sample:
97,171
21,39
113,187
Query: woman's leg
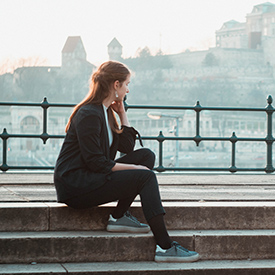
143,156
147,158
125,186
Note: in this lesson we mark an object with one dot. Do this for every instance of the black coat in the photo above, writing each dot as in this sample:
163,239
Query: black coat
85,159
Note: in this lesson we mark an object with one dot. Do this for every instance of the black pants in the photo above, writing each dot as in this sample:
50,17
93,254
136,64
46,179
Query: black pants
125,185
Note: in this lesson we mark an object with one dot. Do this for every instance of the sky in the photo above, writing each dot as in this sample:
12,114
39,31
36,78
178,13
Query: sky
40,27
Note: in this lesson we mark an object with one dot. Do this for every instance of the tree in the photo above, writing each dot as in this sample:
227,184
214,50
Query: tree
210,60
144,53
33,83
10,65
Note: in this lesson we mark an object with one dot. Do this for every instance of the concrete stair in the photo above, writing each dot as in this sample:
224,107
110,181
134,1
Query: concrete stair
232,237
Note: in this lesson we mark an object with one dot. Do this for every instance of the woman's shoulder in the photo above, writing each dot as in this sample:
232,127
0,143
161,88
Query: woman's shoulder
91,107
88,111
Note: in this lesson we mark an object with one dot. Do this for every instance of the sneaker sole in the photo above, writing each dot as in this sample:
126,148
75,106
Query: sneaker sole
127,229
171,259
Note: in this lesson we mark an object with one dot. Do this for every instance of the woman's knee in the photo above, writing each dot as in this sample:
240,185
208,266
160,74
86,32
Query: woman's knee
149,179
148,157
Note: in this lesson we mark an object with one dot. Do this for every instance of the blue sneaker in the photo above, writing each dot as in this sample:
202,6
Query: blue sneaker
176,253
127,223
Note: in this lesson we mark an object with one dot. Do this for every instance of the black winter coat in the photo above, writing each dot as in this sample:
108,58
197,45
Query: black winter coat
85,159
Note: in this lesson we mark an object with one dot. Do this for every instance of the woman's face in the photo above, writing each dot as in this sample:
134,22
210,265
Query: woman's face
123,89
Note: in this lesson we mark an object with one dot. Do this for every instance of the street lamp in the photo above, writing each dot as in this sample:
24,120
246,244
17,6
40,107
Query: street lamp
158,115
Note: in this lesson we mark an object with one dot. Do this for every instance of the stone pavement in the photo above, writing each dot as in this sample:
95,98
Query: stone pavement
38,187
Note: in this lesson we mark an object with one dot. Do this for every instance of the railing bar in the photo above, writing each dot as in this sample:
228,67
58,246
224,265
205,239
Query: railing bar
32,167
210,169
165,168
203,138
145,137
36,104
193,108
141,107
33,136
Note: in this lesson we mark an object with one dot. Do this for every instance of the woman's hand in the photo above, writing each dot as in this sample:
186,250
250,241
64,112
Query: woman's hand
125,166
118,107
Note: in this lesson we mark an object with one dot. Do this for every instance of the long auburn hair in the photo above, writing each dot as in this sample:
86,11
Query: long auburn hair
100,84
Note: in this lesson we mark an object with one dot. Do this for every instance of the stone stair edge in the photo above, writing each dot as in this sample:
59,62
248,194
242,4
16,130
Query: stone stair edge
217,203
106,234
31,178
78,268
45,247
198,216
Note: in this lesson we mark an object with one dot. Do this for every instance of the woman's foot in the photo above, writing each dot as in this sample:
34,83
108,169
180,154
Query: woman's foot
176,253
127,223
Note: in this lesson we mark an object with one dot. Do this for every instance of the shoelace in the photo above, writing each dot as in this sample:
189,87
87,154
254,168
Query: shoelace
130,216
178,246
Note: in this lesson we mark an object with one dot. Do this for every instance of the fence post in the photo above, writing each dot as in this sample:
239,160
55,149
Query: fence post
160,139
4,167
197,109
45,106
233,140
269,138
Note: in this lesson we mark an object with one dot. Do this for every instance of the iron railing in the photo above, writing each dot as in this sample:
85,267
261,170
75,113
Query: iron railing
233,139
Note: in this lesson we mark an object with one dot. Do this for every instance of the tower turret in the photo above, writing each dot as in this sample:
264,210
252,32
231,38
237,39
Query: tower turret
115,50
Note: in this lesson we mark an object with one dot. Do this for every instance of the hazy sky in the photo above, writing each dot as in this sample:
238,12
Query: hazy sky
41,27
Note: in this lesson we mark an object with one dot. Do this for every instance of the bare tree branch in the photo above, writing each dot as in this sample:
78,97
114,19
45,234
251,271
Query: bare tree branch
10,65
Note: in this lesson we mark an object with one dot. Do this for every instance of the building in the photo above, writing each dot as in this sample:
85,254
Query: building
74,57
232,35
258,32
115,50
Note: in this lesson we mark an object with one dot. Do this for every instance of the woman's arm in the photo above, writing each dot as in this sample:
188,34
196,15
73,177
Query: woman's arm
118,107
125,166
88,126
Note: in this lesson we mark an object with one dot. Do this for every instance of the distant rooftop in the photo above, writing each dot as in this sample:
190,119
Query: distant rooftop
71,44
114,43
232,24
263,8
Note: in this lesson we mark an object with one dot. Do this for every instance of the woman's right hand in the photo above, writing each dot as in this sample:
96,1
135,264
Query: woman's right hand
141,167
124,166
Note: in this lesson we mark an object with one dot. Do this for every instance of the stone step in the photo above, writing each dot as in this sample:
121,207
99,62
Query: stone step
169,192
257,267
180,216
184,187
96,246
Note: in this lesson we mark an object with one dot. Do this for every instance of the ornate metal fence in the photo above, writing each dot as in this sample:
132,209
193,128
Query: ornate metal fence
233,139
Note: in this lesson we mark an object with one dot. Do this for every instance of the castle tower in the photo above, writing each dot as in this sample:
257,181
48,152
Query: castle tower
115,50
73,51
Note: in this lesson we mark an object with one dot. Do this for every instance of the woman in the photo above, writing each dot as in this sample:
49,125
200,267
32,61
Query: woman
87,175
